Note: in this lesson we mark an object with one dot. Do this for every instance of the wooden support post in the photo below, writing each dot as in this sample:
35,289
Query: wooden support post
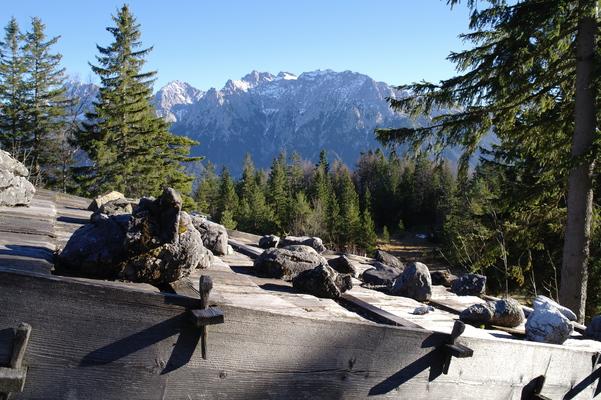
456,350
206,315
205,285
12,379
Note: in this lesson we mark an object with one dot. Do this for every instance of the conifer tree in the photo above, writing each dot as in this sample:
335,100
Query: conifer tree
254,214
130,147
295,174
277,193
228,199
350,215
207,193
530,77
46,106
13,92
367,234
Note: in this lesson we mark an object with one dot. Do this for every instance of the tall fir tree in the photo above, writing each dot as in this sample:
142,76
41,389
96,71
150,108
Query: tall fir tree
13,92
254,214
130,147
207,192
529,77
46,107
228,200
367,234
277,193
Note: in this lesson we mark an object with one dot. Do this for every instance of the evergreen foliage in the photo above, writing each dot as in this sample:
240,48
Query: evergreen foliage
13,92
531,64
46,108
34,112
130,147
327,204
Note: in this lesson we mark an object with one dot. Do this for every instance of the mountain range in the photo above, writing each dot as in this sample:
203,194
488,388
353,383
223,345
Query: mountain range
264,114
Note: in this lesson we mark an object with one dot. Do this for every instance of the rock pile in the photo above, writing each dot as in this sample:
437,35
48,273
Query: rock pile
443,277
156,244
469,285
388,259
314,242
15,189
547,324
414,282
381,275
287,262
99,201
322,281
503,312
268,241
541,301
214,235
343,265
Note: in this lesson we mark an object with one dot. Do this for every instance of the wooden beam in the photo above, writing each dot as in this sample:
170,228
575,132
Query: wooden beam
93,340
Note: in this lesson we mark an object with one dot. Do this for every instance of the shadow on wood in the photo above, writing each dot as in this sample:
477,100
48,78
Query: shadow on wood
433,360
182,351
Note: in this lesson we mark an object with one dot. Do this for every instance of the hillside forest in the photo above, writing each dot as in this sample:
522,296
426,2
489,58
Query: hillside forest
530,66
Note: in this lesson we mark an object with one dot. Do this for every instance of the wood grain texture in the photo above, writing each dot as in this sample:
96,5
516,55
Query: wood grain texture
97,341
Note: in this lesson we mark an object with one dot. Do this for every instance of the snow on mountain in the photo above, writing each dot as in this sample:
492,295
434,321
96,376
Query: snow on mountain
264,114
174,94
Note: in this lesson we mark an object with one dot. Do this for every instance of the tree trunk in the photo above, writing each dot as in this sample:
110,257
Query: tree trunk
574,273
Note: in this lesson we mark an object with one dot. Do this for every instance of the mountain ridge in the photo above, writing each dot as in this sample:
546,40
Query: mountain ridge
264,114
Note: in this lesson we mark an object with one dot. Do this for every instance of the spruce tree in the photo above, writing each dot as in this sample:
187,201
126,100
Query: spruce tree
350,215
277,194
13,92
228,200
46,107
254,214
130,147
529,77
367,235
207,193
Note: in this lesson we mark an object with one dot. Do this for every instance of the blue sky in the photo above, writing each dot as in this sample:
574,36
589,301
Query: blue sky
207,42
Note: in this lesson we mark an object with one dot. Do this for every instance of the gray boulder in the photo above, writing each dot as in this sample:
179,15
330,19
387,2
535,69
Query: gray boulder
114,207
543,301
422,310
469,285
313,242
343,265
157,244
268,241
414,282
214,235
170,261
105,198
547,324
15,189
322,281
388,259
286,263
381,275
95,250
443,277
503,312
593,330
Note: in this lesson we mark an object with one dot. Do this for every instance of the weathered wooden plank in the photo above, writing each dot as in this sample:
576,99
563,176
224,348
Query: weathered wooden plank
376,313
245,249
92,340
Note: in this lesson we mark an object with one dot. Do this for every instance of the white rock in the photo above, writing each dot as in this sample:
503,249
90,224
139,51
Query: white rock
15,189
548,325
543,301
105,198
